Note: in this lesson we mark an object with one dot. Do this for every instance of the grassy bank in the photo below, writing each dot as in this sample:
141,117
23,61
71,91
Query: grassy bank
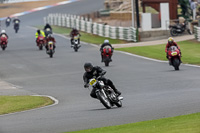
190,51
85,37
180,124
10,104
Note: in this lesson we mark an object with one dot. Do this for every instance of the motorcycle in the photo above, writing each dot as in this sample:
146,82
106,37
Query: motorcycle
105,93
107,54
3,42
16,26
47,32
178,29
174,57
8,22
50,50
75,43
40,42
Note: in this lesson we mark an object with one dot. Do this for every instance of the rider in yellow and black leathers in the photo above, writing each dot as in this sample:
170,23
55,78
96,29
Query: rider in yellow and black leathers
39,32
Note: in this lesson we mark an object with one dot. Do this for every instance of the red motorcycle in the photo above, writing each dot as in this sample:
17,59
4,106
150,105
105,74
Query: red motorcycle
3,42
174,57
40,42
107,54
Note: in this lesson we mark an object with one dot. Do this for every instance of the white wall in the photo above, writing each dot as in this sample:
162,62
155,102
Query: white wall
146,21
164,11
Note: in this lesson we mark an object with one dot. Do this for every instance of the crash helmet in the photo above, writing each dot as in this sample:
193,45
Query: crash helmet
38,31
3,31
106,41
88,67
170,40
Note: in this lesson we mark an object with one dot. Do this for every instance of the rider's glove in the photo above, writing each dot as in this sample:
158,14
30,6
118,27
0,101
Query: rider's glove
86,86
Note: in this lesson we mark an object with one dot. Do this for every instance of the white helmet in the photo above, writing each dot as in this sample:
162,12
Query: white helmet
106,41
3,31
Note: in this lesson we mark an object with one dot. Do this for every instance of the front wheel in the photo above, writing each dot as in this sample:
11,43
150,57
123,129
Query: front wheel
176,63
119,103
40,47
107,61
51,53
104,99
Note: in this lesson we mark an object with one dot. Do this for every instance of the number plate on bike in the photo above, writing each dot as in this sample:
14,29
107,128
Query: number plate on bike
92,81
174,53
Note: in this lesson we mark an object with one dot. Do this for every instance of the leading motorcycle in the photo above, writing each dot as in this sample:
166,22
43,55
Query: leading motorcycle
107,54
105,93
174,57
16,26
47,31
3,42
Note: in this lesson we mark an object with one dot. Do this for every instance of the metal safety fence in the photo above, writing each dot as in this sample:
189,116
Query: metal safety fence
86,25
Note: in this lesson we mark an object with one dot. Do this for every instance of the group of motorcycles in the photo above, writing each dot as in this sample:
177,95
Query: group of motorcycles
16,24
3,38
41,42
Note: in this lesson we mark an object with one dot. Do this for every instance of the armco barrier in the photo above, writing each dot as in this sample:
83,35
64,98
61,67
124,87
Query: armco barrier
197,33
83,24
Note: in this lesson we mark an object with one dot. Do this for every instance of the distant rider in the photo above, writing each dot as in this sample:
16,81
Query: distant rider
91,72
106,43
50,38
16,20
170,43
47,26
73,33
8,20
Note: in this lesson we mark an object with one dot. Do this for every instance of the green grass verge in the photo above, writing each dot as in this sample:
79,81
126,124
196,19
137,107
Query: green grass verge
190,51
180,124
85,37
10,104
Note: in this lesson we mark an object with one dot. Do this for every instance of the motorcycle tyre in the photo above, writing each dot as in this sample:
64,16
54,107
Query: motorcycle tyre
75,49
173,32
106,63
51,54
176,64
107,103
119,104
40,47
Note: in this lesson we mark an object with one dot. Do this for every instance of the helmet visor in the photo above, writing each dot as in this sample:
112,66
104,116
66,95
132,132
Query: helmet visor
88,69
